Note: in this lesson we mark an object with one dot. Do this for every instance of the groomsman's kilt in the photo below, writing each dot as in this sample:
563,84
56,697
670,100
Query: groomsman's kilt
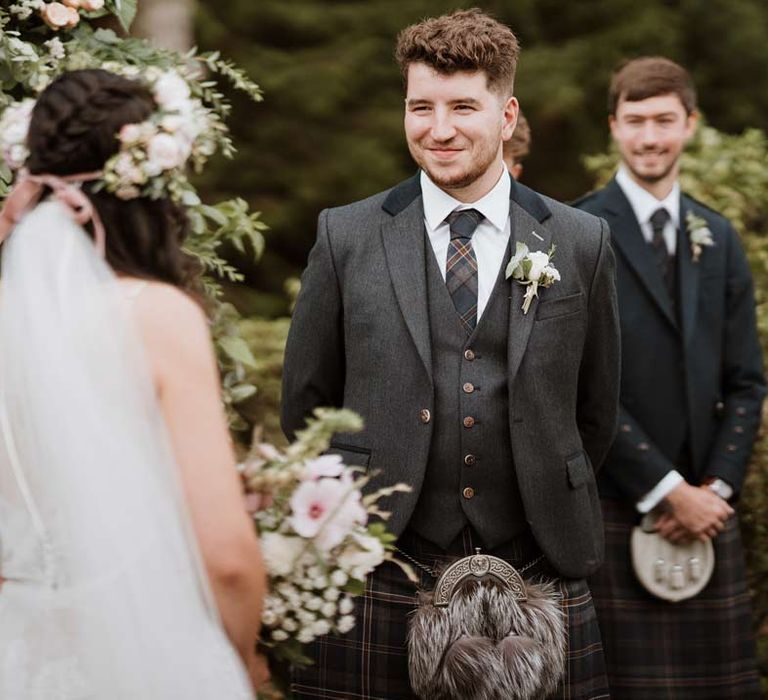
698,649
370,663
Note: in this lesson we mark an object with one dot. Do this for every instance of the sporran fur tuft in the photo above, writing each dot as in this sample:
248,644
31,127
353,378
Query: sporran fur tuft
486,644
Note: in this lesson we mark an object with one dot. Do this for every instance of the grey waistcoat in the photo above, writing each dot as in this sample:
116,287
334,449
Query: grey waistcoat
470,476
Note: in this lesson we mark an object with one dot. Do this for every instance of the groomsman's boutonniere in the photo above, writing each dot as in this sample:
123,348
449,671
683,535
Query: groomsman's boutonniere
532,269
699,234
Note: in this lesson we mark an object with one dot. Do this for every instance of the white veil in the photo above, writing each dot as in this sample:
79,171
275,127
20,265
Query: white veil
106,597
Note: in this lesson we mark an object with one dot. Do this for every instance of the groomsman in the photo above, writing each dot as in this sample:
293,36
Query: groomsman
496,416
691,393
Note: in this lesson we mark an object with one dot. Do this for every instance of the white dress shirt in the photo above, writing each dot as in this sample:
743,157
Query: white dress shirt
490,239
644,204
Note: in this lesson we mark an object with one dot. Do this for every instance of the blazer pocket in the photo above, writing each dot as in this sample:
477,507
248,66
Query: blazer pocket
579,471
352,455
562,306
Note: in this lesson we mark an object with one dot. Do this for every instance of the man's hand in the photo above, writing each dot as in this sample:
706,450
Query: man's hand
696,513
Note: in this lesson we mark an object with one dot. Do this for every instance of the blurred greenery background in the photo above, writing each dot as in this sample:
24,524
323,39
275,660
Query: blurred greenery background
330,132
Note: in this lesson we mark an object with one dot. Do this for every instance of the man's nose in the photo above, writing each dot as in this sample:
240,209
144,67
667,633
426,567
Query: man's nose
442,127
649,133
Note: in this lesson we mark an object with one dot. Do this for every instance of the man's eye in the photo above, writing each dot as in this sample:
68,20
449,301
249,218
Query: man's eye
420,109
465,108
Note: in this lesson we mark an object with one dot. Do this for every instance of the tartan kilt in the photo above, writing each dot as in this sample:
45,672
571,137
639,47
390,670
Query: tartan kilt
371,661
698,649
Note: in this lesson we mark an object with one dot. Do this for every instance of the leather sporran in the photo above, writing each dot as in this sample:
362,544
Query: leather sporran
484,633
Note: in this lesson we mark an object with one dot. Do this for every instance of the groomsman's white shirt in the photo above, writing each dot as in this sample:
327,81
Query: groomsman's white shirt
644,204
490,239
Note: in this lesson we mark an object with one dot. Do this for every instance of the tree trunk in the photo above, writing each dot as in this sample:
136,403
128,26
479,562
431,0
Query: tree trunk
166,23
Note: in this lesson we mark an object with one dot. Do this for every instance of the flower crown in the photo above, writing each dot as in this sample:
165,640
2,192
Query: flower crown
153,154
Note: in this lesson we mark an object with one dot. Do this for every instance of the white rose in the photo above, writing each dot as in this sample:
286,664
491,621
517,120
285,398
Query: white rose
58,16
171,90
280,552
552,273
164,151
539,260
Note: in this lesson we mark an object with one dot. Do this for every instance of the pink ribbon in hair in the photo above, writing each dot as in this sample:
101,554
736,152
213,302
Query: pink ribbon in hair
26,194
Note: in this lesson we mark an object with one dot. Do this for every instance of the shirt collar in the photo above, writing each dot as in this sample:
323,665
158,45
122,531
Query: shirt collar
644,204
494,206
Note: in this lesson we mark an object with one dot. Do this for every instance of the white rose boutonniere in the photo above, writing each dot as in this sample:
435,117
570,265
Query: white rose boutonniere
699,234
533,269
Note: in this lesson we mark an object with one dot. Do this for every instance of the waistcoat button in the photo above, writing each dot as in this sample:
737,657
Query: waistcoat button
424,415
469,355
469,422
468,492
470,460
468,388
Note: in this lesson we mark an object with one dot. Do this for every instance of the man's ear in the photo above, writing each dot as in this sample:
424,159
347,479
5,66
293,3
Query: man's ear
511,110
613,125
691,124
516,171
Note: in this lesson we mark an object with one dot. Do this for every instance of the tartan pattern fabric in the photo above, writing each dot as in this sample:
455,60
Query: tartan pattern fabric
664,260
461,266
371,662
698,649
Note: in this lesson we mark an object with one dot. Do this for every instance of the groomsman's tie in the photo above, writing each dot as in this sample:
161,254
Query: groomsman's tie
461,266
659,220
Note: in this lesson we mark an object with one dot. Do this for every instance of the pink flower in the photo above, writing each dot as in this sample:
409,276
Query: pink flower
326,510
58,16
327,465
91,5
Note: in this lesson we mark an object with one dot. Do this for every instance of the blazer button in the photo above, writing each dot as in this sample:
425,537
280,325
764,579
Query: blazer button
424,415
741,411
643,447
468,492
738,429
626,428
468,388
469,355
731,448
470,460
469,422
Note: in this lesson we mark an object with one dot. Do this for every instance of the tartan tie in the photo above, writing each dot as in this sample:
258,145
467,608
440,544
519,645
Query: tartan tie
659,220
461,266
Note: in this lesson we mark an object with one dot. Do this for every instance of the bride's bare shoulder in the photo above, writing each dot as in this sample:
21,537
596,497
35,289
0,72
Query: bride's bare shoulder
169,316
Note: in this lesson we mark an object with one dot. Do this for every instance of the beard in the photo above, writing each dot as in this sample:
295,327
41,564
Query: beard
457,180
652,178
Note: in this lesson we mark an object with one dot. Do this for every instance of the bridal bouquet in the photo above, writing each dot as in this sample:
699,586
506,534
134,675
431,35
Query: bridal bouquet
318,543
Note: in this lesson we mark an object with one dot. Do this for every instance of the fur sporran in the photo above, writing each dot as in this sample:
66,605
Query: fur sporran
484,633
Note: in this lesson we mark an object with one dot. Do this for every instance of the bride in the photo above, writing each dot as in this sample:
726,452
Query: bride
129,568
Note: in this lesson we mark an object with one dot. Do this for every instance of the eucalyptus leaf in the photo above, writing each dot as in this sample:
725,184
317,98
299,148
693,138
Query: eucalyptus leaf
237,349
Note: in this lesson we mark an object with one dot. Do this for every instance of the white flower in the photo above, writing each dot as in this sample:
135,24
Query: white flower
539,260
321,627
346,624
290,625
280,552
314,603
328,609
171,91
325,465
331,593
55,48
130,134
59,16
339,578
164,152
269,618
362,555
279,635
305,636
326,510
91,5
346,606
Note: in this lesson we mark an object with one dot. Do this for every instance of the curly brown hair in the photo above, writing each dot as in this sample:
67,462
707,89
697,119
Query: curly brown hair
466,40
651,76
74,130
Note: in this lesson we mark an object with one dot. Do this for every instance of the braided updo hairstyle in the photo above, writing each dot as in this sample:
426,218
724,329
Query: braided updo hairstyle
74,130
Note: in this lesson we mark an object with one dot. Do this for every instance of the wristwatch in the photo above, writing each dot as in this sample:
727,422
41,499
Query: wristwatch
720,487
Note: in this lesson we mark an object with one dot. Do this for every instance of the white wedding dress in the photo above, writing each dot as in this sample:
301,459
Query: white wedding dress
105,597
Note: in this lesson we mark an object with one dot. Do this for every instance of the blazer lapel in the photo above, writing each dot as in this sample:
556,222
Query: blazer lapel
404,247
688,272
630,241
527,211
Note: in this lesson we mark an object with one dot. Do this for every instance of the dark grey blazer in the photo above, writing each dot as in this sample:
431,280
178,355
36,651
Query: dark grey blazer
692,382
360,339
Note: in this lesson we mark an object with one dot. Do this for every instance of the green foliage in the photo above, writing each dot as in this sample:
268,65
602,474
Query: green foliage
728,173
32,54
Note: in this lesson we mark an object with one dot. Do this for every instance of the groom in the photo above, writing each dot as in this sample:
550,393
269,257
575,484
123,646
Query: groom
496,417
